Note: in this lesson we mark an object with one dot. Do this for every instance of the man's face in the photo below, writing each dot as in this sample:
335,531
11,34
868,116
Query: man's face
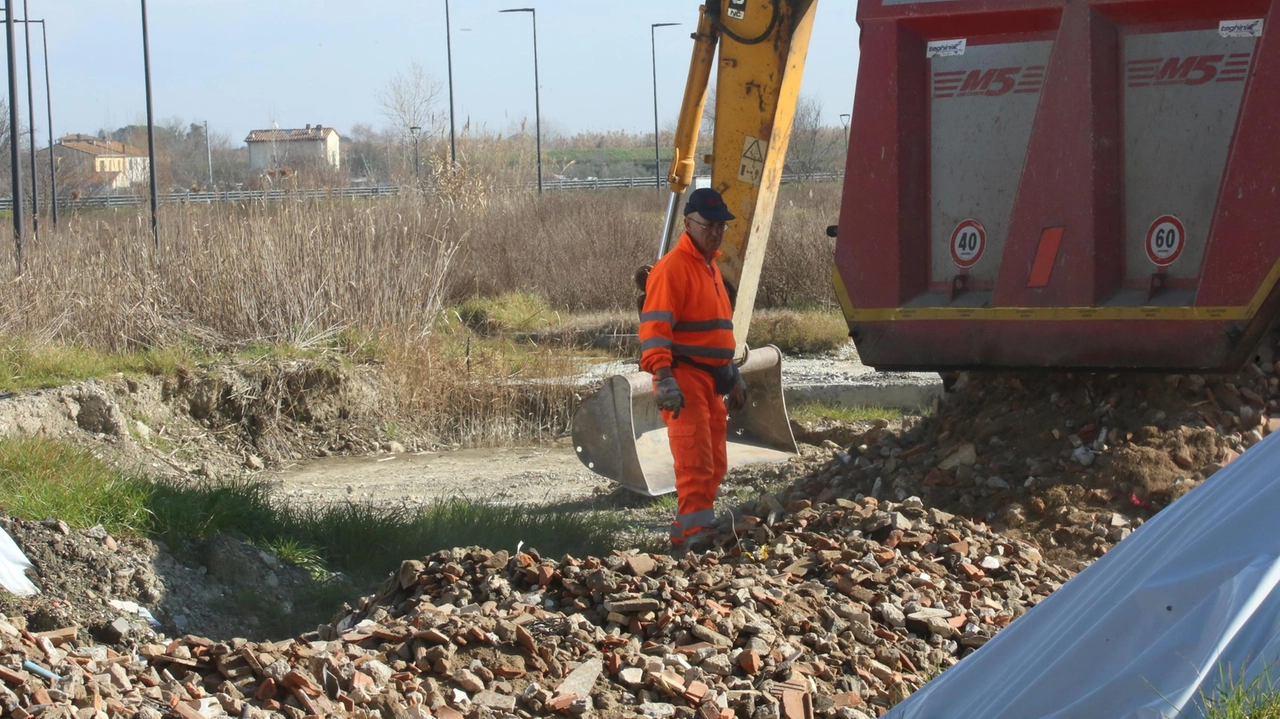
706,236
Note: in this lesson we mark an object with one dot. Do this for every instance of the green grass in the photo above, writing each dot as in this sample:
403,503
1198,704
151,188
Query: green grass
32,366
799,331
299,554
278,351
818,411
1238,699
367,540
511,312
41,478
665,502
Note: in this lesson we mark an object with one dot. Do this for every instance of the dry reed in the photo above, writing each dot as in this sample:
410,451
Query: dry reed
303,272
226,275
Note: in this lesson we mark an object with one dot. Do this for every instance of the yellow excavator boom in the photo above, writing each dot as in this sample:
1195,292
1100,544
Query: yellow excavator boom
762,45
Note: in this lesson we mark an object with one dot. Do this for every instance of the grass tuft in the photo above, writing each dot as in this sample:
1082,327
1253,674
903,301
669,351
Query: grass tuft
26,365
509,312
818,411
41,479
1236,698
799,331
299,554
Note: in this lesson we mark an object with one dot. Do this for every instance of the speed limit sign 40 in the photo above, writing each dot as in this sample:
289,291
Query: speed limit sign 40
1165,240
967,243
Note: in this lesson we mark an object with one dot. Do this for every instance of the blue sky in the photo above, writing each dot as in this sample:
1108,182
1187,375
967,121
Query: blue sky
243,64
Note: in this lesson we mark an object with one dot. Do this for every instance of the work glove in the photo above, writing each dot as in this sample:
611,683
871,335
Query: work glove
737,396
668,394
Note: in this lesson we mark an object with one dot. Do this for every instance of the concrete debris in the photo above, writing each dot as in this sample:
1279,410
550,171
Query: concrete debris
837,597
1054,456
833,607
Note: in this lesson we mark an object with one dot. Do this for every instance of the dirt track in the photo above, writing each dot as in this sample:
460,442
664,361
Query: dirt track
550,475
545,475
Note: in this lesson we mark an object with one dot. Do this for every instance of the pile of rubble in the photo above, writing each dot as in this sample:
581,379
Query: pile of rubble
822,607
837,597
1073,463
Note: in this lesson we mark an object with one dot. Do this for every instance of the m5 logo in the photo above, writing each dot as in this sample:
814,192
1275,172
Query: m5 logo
1193,70
988,82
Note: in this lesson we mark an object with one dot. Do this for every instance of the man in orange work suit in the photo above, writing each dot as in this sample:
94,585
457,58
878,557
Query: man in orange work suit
686,340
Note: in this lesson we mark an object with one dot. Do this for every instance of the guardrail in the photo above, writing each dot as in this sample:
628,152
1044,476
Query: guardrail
371,192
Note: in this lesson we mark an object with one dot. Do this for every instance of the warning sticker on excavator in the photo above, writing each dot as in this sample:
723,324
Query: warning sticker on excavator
752,167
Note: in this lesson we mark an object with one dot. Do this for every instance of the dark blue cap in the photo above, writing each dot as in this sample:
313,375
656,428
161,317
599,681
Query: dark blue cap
708,203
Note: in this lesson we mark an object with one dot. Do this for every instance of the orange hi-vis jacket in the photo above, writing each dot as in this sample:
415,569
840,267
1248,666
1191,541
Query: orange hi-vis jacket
686,311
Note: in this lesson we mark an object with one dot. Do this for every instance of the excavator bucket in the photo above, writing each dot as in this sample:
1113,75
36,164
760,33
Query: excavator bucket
618,432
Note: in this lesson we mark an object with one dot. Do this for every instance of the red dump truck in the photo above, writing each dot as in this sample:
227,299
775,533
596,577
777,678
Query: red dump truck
1076,184
1053,184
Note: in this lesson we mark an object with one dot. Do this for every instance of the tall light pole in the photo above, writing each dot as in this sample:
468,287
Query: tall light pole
31,127
448,44
15,157
151,135
537,103
844,120
208,151
48,106
417,175
657,153
48,99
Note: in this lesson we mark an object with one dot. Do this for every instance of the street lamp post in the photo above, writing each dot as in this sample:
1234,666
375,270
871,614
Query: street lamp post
537,103
448,44
15,157
48,99
657,153
417,175
844,119
48,105
151,135
31,127
208,152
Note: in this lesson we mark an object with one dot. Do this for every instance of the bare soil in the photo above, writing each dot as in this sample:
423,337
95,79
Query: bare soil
511,475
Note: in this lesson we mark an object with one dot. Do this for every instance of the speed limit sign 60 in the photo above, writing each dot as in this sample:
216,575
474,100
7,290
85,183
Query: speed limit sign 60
1165,240
968,241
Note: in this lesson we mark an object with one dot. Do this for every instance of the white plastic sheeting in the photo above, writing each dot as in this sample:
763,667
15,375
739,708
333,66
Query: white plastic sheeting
12,562
1187,599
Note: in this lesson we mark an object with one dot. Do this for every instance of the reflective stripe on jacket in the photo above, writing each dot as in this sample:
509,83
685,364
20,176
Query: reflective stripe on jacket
686,311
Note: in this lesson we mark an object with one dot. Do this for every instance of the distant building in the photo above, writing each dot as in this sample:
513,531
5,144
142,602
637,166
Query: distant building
102,162
273,149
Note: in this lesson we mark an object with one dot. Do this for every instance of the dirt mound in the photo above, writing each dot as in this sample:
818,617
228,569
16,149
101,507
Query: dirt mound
218,421
89,579
286,410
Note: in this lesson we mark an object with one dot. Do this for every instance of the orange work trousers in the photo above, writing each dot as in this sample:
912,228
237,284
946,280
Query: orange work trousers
697,439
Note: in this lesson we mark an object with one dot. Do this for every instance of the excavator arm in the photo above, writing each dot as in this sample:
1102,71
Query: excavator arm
618,431
762,49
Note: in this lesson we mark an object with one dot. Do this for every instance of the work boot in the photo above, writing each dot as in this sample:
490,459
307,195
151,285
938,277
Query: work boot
699,542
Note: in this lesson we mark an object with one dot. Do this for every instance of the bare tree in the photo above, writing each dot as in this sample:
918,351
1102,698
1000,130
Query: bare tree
408,98
814,147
